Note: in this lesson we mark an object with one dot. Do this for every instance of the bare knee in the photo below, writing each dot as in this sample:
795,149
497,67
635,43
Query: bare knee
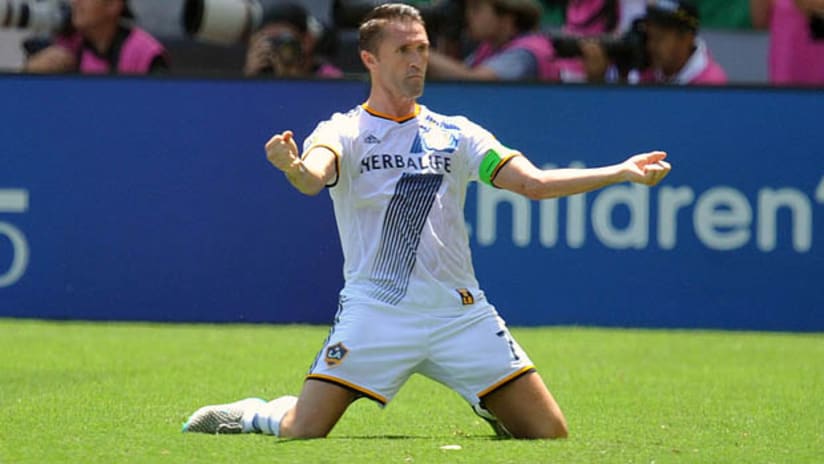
556,429
303,433
561,432
527,409
293,426
317,411
545,430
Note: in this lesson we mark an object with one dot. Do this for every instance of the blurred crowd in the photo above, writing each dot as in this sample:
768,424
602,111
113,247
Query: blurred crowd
569,41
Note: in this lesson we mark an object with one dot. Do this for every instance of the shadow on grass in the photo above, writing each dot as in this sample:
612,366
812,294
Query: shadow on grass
392,437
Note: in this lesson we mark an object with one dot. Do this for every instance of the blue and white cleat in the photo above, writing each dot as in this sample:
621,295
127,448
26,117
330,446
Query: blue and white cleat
222,418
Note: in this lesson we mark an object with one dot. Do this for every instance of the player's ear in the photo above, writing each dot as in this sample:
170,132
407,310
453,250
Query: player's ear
369,60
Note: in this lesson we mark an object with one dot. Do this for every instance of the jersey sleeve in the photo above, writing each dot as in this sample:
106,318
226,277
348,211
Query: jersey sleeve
327,135
486,154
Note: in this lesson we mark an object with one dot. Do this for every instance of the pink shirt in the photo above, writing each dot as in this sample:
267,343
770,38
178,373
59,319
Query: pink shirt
700,69
713,74
584,17
328,71
794,57
137,52
535,43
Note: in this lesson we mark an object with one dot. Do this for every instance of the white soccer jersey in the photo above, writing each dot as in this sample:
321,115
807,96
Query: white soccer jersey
399,203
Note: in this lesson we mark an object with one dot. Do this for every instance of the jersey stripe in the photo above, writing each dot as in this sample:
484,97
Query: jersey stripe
401,234
417,146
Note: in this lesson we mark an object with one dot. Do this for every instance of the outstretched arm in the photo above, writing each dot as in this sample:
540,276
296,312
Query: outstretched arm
444,67
52,59
310,173
521,176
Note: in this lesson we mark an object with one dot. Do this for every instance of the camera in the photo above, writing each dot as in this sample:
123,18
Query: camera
286,49
629,51
41,16
225,22
817,27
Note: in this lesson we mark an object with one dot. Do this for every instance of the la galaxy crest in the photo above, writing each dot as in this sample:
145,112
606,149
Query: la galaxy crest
335,354
438,140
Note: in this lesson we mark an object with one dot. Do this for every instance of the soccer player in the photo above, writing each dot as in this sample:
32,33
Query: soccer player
397,173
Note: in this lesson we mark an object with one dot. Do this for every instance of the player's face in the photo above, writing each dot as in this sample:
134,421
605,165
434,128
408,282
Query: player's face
281,46
669,49
401,60
88,14
481,19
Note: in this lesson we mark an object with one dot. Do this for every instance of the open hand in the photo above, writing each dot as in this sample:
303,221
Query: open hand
646,168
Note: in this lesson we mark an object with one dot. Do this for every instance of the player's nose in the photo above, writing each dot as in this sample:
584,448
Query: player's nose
417,58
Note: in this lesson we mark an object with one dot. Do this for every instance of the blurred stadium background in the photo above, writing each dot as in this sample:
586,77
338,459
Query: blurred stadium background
739,48
732,229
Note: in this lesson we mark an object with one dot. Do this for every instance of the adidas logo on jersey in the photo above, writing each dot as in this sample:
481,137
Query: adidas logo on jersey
371,139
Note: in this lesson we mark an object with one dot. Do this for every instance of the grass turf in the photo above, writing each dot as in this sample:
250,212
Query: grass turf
104,392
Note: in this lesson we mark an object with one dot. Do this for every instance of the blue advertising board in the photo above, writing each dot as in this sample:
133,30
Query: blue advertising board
140,199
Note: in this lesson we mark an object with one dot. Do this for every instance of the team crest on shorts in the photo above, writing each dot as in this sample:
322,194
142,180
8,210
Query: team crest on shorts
466,296
335,354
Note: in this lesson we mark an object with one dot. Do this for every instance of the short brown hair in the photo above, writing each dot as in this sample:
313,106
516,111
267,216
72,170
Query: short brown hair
371,29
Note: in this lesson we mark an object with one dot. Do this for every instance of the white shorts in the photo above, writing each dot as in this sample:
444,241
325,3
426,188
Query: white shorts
373,348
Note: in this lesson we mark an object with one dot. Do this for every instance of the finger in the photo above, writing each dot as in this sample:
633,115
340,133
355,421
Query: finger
646,159
654,172
652,168
287,136
262,56
659,175
655,167
657,171
259,47
261,43
656,156
275,139
639,172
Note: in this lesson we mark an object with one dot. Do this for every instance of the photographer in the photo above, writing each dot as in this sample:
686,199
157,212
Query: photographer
675,52
594,18
796,53
103,41
285,44
510,45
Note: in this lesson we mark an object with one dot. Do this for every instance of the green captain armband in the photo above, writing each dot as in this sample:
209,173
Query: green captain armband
491,164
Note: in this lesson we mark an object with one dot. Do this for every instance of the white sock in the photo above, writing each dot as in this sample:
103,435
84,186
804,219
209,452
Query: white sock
266,417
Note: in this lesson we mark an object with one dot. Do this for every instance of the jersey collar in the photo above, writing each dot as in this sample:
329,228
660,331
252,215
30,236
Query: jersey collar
396,119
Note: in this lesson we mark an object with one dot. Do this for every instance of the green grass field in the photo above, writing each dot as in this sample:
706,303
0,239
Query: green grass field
110,393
